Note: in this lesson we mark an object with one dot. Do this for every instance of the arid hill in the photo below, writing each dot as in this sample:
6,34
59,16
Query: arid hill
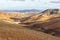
43,16
15,32
40,26
48,21
7,15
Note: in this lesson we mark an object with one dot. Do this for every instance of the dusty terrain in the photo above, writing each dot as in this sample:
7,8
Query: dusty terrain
7,15
47,22
40,26
16,32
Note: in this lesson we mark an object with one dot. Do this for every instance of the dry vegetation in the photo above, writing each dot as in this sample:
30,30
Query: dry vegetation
23,31
15,32
7,15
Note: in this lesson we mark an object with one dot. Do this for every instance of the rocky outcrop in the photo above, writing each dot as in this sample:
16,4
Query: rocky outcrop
51,11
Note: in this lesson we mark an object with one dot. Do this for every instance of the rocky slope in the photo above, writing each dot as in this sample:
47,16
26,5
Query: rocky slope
45,20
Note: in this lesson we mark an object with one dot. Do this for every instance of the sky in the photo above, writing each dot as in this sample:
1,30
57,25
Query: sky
29,4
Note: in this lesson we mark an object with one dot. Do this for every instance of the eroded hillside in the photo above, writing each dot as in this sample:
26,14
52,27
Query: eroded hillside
16,32
46,22
44,16
40,26
5,16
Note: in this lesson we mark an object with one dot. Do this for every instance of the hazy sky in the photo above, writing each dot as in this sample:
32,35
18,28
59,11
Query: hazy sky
28,4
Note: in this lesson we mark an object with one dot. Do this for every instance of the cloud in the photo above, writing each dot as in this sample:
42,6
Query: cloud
19,0
55,1
27,4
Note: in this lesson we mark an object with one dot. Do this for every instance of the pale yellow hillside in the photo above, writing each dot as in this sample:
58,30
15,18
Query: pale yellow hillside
5,16
42,18
13,14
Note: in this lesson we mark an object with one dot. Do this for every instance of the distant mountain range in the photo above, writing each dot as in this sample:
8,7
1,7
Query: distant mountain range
28,10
